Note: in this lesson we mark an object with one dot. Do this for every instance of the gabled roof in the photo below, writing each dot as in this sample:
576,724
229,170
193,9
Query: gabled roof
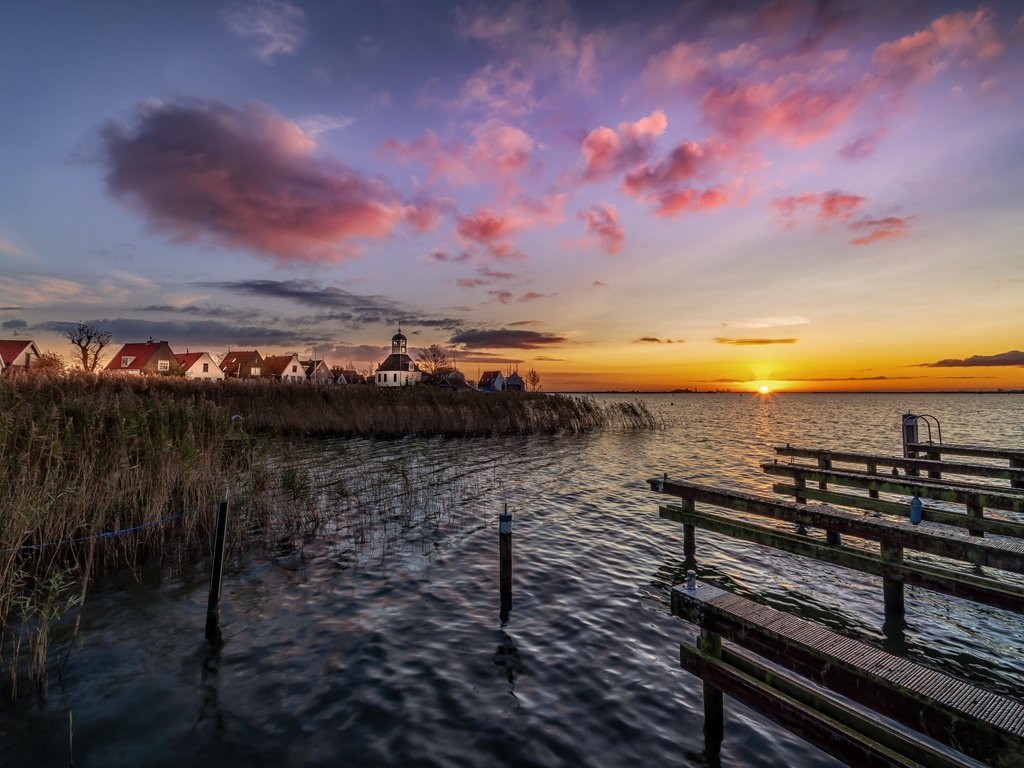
276,364
188,359
489,378
311,366
514,378
353,377
397,362
233,360
138,355
11,350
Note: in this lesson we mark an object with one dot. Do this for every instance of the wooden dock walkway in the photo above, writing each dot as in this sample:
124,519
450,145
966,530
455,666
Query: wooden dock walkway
813,680
976,722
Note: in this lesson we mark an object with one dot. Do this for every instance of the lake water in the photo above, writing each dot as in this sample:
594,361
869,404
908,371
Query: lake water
378,641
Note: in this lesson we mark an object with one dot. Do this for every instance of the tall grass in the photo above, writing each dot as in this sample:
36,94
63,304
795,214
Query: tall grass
85,455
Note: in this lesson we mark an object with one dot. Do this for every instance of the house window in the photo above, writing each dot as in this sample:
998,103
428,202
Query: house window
254,371
126,361
394,377
163,365
206,367
295,369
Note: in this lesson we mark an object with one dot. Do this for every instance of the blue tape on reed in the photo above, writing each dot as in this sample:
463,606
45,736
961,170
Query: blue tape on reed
104,535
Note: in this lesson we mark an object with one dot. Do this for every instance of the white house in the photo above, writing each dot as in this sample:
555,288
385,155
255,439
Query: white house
200,365
398,369
491,381
285,368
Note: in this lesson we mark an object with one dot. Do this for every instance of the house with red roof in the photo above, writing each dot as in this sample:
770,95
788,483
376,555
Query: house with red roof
286,368
17,354
148,357
200,365
246,364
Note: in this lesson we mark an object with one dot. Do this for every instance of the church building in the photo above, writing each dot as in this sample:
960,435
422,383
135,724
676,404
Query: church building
398,370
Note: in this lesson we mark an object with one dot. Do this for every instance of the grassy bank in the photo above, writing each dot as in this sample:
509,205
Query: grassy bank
83,456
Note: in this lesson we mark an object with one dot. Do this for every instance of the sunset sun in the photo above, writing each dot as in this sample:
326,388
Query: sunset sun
764,390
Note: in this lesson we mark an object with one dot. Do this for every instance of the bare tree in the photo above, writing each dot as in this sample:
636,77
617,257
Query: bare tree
434,360
90,342
532,379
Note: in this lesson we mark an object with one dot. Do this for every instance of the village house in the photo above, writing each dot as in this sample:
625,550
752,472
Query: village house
200,365
453,380
17,355
317,372
398,369
245,364
285,368
515,383
491,381
151,357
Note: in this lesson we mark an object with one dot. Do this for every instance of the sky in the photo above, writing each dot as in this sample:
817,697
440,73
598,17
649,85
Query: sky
637,196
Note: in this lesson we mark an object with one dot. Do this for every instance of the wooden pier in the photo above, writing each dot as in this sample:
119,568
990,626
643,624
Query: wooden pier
813,680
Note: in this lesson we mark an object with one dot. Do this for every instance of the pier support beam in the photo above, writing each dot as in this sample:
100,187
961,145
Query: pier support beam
892,589
505,564
714,713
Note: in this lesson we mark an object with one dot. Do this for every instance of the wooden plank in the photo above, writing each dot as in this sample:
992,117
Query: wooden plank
979,723
900,509
948,467
821,701
979,451
969,586
927,537
827,732
968,495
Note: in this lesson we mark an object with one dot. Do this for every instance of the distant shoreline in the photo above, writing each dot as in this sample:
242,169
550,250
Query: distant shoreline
790,392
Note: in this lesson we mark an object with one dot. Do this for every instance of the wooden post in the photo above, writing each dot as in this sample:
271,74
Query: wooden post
1016,464
910,436
892,589
974,509
714,714
832,537
689,534
213,635
935,474
505,564
873,469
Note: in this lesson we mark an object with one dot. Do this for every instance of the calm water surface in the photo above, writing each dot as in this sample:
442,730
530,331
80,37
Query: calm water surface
380,644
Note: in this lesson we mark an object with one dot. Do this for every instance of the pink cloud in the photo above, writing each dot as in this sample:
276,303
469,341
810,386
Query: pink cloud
503,297
671,203
967,36
486,227
789,109
496,153
681,65
606,151
531,296
603,222
470,282
839,207
888,228
245,178
499,88
863,145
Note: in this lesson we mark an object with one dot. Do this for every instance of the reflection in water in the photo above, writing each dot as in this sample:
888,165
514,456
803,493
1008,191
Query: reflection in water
507,657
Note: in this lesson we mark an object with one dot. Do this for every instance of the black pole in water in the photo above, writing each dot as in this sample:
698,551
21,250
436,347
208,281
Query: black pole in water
217,577
505,557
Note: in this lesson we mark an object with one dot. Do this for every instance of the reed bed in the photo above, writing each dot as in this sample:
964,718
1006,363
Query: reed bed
83,457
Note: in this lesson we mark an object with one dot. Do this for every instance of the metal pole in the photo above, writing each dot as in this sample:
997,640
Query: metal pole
910,435
505,562
217,577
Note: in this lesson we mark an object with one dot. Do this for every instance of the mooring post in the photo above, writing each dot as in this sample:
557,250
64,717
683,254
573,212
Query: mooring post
892,589
873,470
910,435
689,533
217,577
975,509
832,537
714,714
505,565
1014,481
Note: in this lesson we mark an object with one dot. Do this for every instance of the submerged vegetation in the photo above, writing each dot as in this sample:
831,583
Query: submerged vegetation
85,456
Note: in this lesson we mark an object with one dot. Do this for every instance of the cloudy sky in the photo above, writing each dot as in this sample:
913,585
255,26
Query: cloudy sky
644,195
